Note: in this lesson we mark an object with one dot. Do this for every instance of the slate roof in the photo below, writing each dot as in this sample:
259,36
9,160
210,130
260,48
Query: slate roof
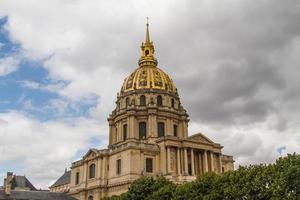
21,182
64,179
34,195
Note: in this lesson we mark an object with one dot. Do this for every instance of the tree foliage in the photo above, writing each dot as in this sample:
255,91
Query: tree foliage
280,180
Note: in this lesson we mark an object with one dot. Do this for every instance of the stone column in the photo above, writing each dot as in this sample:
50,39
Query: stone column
192,162
169,160
200,163
205,164
212,161
220,163
185,161
178,161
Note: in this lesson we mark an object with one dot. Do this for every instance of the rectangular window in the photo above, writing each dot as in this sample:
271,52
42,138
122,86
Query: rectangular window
77,178
118,167
161,129
175,130
124,132
190,169
142,130
149,165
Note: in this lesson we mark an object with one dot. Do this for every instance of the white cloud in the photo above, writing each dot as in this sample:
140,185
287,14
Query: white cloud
8,65
30,84
45,148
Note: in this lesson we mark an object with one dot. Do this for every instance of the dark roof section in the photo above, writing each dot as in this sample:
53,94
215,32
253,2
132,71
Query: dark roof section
64,179
34,195
21,182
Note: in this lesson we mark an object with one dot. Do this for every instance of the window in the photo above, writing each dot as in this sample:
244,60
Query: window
124,132
142,100
142,130
92,171
127,101
149,165
91,198
118,167
175,130
159,100
161,129
172,103
77,178
190,169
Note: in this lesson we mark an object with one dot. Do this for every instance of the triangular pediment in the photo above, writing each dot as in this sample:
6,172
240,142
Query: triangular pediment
201,138
90,154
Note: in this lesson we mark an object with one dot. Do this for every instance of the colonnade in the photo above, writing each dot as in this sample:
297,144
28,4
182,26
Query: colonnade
190,161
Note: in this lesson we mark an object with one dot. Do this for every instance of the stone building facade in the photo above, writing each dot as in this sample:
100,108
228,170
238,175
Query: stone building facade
148,135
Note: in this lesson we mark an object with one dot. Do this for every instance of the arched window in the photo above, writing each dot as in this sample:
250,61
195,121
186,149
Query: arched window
127,101
92,171
124,132
146,52
159,100
77,178
160,129
91,198
142,130
142,100
172,103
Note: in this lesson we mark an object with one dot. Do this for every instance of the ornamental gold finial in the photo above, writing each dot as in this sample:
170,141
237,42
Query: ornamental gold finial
147,51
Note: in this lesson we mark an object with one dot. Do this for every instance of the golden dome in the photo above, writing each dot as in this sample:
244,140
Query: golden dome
148,76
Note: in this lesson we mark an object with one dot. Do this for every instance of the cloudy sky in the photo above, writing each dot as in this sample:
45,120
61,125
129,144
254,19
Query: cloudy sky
234,62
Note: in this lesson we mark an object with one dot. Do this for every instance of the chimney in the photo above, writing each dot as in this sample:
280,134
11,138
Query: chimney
8,183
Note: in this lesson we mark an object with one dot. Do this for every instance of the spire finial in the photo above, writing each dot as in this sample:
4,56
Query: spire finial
147,57
147,31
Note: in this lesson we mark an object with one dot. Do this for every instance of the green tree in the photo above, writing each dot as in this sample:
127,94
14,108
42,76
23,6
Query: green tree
277,181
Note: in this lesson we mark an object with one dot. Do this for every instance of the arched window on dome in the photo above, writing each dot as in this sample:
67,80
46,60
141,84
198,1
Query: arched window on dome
127,101
142,100
172,103
159,100
92,171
